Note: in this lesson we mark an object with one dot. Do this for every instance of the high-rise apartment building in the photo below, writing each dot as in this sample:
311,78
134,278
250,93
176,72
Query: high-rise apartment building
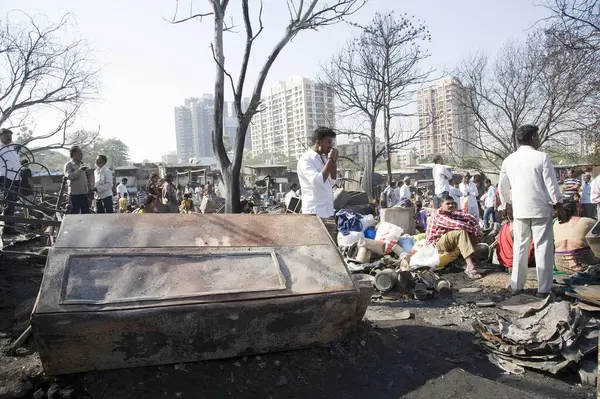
446,126
292,110
194,126
183,132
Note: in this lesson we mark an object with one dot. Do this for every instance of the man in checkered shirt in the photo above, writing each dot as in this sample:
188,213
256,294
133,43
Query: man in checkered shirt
449,229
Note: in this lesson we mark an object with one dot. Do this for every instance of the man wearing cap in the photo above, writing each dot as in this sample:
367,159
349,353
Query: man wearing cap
405,189
9,166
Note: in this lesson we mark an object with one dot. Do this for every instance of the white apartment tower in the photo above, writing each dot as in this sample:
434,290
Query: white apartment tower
446,127
292,110
194,125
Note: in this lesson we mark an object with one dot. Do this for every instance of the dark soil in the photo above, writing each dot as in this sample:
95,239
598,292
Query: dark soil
386,359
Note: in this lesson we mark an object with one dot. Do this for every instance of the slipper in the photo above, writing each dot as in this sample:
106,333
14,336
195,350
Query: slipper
473,275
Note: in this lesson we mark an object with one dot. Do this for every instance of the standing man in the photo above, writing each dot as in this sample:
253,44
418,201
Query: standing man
571,185
405,190
198,193
317,171
470,194
122,188
26,189
441,180
76,173
587,206
536,196
9,165
103,184
489,203
290,194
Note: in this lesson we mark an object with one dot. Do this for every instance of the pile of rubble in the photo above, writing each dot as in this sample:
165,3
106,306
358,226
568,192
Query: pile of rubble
547,336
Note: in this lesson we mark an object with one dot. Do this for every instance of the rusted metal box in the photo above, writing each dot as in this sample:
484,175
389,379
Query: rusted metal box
127,290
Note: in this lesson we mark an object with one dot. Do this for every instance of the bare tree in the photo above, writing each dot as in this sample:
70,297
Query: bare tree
531,82
374,77
38,73
303,15
575,23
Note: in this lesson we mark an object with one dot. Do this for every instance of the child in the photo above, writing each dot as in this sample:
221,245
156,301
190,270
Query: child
123,203
149,205
187,205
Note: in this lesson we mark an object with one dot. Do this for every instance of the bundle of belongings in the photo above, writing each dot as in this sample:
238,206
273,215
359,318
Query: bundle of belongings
547,337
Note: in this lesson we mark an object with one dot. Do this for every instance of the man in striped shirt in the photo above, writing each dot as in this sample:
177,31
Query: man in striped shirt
571,185
448,229
141,197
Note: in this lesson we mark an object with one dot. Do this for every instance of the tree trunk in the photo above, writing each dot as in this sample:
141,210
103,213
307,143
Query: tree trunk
231,184
224,163
386,133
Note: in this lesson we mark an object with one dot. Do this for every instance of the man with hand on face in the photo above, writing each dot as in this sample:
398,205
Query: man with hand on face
317,171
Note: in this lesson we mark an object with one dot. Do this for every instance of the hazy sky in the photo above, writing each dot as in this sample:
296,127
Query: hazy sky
150,66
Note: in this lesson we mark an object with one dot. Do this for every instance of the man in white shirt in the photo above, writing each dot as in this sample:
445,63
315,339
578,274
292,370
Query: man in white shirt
454,192
441,180
469,193
389,195
404,192
122,189
198,194
290,194
489,203
530,175
587,206
317,171
9,166
103,184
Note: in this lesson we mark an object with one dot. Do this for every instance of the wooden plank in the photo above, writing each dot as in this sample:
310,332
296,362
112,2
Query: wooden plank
36,222
582,298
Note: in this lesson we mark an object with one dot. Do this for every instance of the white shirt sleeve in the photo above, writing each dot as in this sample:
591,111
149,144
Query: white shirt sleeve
550,179
307,168
595,191
504,185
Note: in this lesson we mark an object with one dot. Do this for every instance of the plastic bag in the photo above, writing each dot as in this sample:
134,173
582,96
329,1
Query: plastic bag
426,256
388,233
406,243
349,239
367,221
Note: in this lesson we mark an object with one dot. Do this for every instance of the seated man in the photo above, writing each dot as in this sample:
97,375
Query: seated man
449,229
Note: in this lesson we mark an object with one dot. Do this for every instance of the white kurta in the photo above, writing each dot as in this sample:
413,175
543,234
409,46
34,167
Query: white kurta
317,193
528,181
441,178
469,191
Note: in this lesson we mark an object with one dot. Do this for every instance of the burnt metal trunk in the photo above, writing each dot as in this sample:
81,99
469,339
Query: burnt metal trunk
126,290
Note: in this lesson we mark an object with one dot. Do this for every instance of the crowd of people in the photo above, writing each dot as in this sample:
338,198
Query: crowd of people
528,198
159,196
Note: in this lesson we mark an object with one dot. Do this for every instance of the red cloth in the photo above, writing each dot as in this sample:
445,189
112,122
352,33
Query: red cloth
504,250
440,223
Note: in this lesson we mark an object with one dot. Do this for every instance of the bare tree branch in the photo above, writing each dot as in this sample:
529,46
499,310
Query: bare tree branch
38,73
